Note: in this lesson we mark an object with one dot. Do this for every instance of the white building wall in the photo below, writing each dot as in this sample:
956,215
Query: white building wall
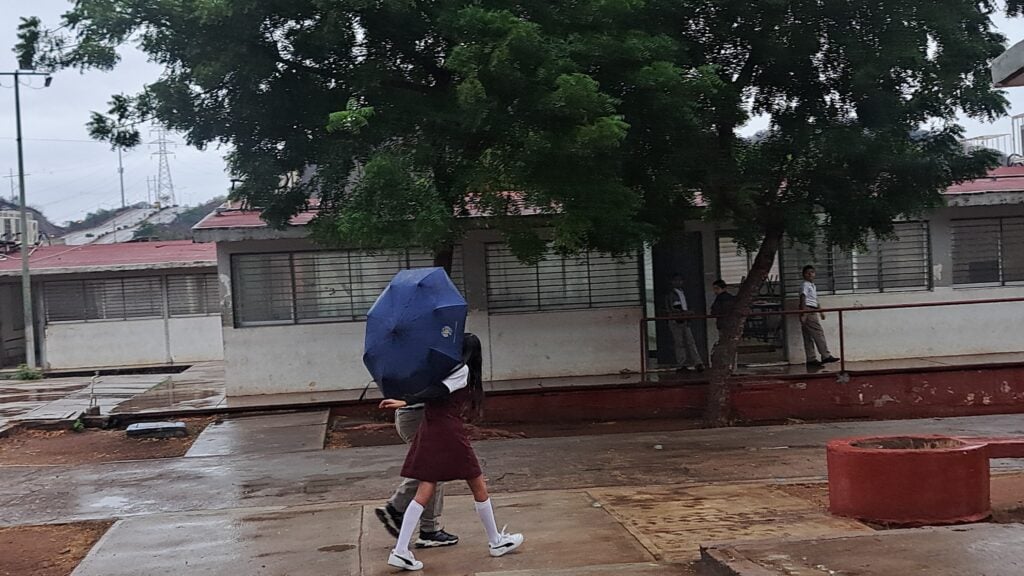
328,356
144,342
195,339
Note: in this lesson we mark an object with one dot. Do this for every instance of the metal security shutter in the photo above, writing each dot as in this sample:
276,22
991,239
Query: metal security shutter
988,251
193,295
560,283
1013,250
899,263
325,286
106,299
64,301
142,297
263,289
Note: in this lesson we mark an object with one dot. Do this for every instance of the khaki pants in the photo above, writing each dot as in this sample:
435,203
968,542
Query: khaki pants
407,422
814,337
685,346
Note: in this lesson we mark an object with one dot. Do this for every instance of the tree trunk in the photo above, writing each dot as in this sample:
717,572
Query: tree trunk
443,258
718,410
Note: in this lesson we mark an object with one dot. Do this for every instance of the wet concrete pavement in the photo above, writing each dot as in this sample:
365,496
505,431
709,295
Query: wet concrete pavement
65,398
118,489
267,434
639,504
977,550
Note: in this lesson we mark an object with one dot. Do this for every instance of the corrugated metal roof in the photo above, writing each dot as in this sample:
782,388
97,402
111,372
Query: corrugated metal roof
112,257
1004,179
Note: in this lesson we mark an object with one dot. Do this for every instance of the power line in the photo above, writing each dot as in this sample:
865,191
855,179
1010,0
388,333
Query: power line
56,140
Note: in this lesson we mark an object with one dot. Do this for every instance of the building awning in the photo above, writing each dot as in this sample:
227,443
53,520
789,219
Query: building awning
1008,68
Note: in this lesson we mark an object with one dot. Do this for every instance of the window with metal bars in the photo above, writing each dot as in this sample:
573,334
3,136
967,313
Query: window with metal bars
593,280
988,252
902,263
324,286
104,299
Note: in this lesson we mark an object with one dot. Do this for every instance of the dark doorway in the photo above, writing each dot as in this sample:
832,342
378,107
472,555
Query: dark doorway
681,254
12,326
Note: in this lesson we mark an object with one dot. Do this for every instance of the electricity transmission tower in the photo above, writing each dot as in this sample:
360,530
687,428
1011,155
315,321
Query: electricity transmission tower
164,188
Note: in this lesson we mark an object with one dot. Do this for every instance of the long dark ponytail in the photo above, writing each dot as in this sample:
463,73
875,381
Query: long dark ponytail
473,356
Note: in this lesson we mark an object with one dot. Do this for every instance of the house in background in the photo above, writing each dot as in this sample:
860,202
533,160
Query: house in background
123,305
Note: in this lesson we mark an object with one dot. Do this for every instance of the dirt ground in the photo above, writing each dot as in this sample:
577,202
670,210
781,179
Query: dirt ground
52,550
67,447
351,433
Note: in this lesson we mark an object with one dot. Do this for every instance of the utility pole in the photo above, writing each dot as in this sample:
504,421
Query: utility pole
26,279
120,172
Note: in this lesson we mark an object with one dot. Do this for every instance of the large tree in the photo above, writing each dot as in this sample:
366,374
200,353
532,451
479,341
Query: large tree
861,97
611,116
402,116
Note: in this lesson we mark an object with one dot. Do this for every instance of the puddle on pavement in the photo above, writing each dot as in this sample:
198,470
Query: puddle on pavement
110,502
336,548
171,394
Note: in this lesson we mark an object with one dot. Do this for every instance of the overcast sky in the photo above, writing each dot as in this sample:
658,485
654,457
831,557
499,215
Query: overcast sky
69,175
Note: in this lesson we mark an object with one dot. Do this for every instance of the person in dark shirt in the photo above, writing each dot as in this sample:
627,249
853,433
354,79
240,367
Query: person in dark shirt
723,304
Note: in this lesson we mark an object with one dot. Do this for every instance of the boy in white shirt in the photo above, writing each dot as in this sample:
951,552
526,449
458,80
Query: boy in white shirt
814,336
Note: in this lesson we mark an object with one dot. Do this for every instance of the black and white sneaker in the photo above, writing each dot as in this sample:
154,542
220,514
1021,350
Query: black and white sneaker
506,543
390,518
404,562
436,539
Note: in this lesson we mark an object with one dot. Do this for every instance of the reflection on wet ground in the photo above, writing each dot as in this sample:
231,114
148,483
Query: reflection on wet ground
199,387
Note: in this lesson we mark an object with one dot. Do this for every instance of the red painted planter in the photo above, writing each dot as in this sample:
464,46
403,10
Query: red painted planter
909,480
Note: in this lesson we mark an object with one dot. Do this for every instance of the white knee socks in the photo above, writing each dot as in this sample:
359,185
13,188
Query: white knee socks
487,518
410,522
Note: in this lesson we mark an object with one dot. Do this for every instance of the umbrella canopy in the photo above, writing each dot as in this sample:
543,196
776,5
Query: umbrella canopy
414,332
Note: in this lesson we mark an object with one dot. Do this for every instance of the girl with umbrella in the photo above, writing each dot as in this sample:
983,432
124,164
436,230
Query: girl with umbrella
441,452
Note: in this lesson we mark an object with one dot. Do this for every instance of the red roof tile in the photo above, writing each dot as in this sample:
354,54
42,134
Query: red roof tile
1005,179
112,257
231,215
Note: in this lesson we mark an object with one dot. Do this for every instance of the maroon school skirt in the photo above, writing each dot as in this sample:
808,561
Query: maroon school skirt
440,451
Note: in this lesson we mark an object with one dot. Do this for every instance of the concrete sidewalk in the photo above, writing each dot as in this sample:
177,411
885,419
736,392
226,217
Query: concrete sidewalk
267,501
45,494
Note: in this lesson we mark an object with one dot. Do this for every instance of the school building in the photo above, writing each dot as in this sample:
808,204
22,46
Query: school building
292,314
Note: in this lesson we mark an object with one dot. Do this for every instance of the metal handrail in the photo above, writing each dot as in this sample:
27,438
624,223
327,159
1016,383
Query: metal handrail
839,310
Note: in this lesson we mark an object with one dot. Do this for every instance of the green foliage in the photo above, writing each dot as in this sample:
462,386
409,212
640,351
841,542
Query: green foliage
607,117
25,373
93,219
78,426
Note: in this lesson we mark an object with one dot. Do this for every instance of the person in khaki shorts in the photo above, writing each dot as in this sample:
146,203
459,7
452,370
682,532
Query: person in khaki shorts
814,336
407,422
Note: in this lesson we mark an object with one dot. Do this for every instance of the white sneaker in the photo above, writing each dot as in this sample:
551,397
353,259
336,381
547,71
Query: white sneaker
506,543
405,562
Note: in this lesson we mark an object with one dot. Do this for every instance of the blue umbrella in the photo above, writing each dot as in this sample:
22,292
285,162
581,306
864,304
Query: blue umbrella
414,332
